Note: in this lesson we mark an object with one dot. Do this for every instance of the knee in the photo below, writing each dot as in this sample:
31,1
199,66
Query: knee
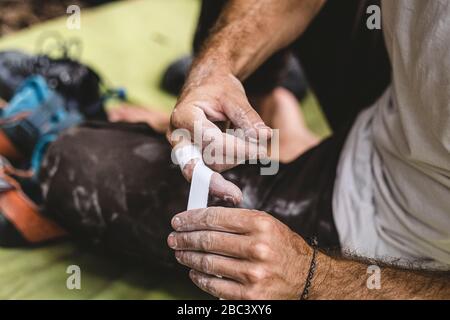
62,151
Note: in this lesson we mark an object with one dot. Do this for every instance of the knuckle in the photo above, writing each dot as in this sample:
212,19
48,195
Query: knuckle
203,282
186,257
256,213
265,224
206,241
211,217
260,251
185,241
257,274
207,284
206,264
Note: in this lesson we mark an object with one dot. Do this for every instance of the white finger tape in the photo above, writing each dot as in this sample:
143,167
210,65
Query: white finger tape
187,153
198,195
201,176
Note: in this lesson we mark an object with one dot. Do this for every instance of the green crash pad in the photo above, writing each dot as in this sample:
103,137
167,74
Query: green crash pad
130,44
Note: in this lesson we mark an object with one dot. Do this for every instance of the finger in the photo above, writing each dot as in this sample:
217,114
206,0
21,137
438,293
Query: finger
216,147
186,122
220,151
226,244
242,115
223,151
224,189
213,264
218,287
239,221
218,186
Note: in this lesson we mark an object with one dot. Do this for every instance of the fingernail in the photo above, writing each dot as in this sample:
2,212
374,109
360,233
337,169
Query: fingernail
172,241
176,223
233,194
229,199
234,199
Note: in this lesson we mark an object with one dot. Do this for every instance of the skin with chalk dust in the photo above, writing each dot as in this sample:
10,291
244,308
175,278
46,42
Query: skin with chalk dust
114,187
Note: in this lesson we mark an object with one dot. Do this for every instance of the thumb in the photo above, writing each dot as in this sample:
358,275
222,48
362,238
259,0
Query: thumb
218,185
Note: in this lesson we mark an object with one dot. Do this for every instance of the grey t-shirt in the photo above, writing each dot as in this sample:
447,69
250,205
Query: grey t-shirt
392,192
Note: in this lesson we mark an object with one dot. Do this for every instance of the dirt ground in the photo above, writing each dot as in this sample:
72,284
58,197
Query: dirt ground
19,14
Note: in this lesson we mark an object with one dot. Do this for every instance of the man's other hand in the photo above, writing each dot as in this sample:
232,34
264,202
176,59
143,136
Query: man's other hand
255,255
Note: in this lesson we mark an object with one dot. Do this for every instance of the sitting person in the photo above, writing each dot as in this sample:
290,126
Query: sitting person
114,185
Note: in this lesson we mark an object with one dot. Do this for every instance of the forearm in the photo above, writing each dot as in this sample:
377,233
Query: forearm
346,279
248,32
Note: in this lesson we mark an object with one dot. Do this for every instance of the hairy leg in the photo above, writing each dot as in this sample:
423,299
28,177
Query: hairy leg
157,120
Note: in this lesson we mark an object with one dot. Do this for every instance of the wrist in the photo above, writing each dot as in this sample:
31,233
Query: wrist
209,64
321,279
205,71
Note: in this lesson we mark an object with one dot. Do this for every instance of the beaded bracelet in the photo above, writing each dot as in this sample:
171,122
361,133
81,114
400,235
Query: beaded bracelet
312,269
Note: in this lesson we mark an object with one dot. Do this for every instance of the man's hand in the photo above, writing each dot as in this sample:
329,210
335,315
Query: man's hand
214,97
247,33
256,256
